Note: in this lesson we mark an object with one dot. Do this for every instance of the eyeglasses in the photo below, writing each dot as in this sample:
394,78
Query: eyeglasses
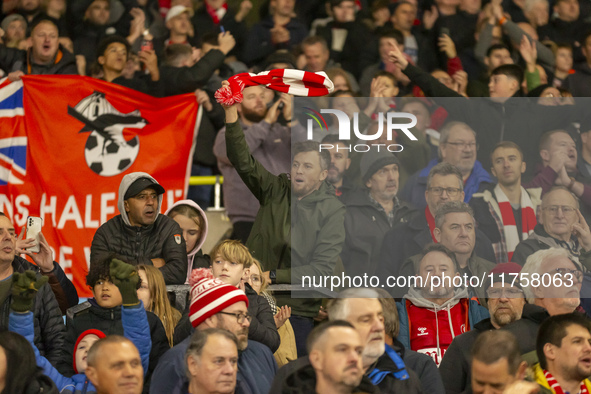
504,293
451,191
563,272
566,209
239,316
462,144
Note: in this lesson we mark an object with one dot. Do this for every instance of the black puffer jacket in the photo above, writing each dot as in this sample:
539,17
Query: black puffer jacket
262,327
18,60
90,315
47,316
140,244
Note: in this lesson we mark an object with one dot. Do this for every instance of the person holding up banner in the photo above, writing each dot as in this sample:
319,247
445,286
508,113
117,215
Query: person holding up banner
140,235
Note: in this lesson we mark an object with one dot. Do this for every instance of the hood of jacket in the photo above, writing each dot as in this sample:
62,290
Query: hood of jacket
324,192
125,184
414,295
204,230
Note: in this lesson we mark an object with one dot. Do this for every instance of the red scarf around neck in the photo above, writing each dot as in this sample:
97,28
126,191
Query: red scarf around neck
215,13
430,222
554,385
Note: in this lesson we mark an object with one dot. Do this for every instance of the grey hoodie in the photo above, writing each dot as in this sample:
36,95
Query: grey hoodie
191,255
124,185
139,245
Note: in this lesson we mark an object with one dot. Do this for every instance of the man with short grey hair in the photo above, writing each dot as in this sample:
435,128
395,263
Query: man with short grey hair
382,364
212,362
457,146
114,366
558,227
444,184
561,296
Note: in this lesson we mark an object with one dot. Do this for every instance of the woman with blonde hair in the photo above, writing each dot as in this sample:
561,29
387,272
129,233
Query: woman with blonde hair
193,222
153,293
287,349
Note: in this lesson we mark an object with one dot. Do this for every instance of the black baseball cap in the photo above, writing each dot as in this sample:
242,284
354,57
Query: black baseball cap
140,185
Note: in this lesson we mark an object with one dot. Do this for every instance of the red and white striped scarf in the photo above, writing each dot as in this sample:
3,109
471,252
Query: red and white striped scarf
554,385
216,15
528,218
295,82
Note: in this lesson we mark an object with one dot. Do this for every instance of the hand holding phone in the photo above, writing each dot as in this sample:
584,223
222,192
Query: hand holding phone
34,225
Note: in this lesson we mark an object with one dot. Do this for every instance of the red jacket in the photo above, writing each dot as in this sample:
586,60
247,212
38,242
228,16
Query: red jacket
432,330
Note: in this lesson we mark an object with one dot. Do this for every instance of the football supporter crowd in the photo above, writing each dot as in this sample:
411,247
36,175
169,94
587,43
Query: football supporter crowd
489,184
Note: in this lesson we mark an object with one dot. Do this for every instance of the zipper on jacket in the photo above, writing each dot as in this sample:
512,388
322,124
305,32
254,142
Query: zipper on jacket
138,237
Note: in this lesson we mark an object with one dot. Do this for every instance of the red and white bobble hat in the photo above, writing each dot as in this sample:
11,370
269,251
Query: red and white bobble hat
210,296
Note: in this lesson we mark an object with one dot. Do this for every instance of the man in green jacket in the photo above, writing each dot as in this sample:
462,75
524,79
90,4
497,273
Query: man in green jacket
292,238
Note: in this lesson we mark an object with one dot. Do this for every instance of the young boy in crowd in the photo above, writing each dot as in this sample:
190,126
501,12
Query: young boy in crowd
103,312
230,262
133,317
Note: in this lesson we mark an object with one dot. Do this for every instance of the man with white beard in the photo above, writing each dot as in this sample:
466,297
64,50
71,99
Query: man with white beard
435,311
382,364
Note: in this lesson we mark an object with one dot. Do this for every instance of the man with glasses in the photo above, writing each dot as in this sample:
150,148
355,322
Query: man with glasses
506,212
458,147
557,227
505,302
215,304
404,240
140,235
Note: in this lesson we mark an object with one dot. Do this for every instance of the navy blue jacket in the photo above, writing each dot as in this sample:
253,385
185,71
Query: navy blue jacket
414,189
256,369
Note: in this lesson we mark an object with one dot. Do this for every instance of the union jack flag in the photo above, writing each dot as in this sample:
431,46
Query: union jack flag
13,137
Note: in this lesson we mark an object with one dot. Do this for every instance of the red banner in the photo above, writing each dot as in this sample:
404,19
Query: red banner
64,158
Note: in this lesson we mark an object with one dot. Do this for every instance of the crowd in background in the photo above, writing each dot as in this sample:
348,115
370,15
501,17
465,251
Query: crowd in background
493,182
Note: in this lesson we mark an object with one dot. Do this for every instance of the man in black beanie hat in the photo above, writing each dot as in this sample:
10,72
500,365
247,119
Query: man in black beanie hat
371,211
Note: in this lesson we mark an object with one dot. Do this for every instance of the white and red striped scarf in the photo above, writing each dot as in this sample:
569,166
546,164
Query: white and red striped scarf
528,218
295,82
554,385
216,15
